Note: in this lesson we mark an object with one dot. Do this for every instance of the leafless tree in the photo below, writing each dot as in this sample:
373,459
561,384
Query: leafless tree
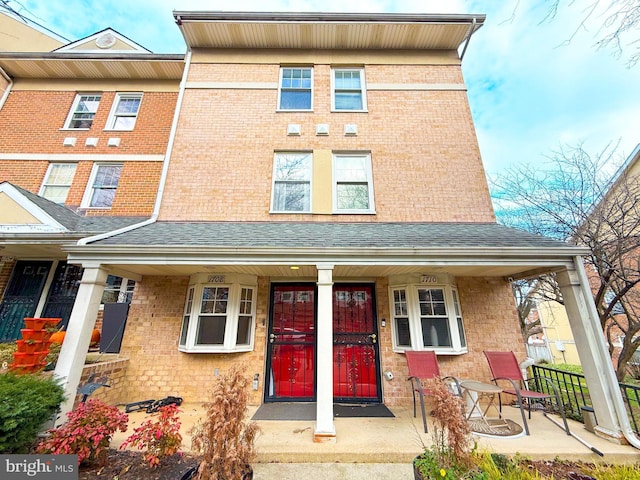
617,24
573,198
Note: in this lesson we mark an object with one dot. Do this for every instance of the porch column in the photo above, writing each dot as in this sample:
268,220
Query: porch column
78,337
592,349
325,430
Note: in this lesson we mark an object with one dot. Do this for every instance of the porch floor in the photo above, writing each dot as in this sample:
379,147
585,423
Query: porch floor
384,447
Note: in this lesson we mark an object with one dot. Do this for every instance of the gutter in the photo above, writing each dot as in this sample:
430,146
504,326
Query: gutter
472,29
5,95
165,167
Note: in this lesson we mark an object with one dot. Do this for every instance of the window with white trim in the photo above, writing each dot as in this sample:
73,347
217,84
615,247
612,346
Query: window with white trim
427,318
295,90
124,111
218,317
352,184
83,110
118,290
291,182
347,89
102,186
57,182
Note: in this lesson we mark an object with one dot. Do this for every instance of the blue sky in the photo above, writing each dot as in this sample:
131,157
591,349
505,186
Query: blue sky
533,85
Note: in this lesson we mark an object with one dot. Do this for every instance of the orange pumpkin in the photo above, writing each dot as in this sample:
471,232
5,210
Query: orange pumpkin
95,336
57,337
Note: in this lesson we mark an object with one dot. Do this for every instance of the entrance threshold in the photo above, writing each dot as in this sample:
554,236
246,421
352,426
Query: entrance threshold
306,411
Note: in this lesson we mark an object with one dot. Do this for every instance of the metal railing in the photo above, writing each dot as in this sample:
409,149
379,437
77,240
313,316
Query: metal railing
575,394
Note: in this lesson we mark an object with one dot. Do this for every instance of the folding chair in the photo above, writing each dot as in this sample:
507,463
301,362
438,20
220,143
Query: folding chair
423,365
504,366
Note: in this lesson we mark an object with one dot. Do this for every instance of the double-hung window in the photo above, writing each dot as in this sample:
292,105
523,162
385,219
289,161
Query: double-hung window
427,318
348,90
83,111
352,183
219,317
296,88
58,181
291,182
124,111
102,186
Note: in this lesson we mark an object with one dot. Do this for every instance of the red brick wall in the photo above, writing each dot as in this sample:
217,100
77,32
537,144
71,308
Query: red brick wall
157,369
25,129
425,157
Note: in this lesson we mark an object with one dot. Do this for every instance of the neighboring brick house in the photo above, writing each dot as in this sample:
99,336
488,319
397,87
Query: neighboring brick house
85,129
324,209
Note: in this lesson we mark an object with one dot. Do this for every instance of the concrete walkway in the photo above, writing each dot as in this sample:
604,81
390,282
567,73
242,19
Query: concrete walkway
383,448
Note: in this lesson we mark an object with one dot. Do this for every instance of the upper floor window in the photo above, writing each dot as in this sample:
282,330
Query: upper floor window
427,317
291,182
102,186
348,92
58,181
352,184
83,110
124,111
296,89
219,314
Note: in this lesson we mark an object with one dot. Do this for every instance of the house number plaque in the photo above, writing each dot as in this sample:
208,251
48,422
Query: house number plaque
216,279
428,279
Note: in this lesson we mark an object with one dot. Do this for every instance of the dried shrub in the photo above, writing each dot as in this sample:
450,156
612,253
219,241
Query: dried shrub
224,438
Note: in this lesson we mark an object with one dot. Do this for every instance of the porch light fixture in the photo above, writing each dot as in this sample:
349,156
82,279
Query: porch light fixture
294,267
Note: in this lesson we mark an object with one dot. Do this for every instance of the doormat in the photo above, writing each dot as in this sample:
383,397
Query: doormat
307,411
496,428
345,410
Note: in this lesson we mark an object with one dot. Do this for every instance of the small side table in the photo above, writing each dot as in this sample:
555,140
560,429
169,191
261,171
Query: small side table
482,390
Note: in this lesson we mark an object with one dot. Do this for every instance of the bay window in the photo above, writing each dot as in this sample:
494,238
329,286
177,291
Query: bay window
427,317
219,314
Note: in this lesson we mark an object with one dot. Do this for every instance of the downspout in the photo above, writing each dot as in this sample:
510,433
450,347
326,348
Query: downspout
5,95
165,167
608,376
472,29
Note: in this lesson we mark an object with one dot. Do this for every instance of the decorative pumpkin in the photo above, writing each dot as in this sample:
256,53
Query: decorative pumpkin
95,336
57,337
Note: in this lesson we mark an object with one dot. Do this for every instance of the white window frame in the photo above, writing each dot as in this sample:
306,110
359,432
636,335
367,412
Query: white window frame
454,317
192,313
73,111
280,89
88,193
114,115
339,181
282,155
362,90
48,183
123,290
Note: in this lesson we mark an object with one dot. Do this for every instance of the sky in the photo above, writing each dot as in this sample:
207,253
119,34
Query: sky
534,83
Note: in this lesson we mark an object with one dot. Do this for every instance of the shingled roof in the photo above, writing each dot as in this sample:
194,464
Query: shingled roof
361,235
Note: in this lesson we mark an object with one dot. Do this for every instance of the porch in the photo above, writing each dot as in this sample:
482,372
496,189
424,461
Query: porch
395,440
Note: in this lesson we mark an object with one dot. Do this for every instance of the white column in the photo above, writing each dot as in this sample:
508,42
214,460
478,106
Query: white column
325,430
592,349
78,337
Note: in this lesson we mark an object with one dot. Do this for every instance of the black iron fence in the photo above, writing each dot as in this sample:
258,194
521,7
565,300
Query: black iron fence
575,393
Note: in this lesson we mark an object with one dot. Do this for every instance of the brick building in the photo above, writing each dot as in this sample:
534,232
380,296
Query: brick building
323,208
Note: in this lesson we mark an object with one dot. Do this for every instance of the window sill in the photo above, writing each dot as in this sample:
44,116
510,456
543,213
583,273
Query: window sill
68,129
354,212
279,110
117,129
349,111
439,351
240,349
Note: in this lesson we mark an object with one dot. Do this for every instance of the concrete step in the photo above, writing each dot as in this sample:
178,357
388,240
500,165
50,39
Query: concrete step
332,471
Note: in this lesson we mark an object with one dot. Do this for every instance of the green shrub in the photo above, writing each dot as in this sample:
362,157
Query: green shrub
615,472
28,401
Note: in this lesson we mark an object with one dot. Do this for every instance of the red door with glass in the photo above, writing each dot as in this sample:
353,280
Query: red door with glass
356,369
292,343
291,354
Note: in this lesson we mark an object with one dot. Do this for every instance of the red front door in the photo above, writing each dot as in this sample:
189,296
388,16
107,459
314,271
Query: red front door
355,347
291,354
292,343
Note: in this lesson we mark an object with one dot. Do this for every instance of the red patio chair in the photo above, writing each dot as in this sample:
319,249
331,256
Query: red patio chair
504,366
423,365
